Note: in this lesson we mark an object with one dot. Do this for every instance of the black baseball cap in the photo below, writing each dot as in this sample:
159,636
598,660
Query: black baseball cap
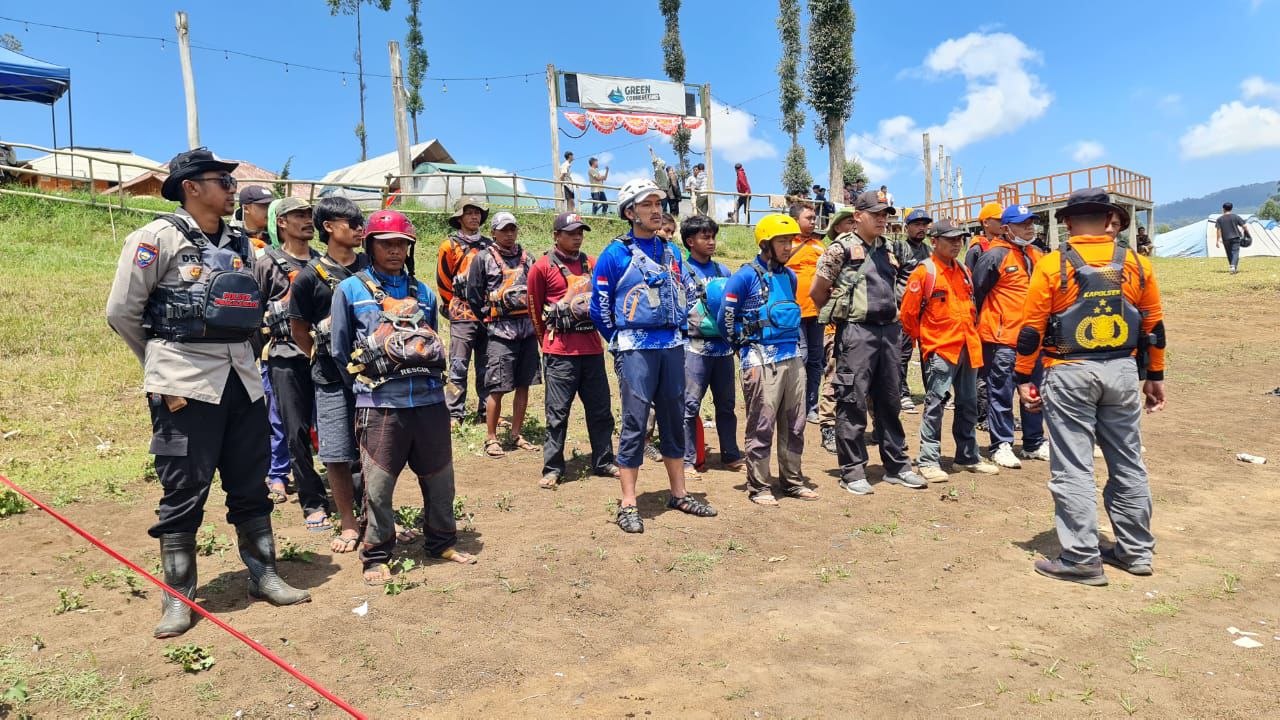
870,201
186,165
947,229
568,221
255,195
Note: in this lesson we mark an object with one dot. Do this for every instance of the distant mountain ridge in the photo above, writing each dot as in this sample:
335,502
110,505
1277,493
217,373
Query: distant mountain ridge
1246,198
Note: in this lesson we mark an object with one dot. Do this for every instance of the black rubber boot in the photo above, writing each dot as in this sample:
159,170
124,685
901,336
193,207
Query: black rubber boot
258,551
178,558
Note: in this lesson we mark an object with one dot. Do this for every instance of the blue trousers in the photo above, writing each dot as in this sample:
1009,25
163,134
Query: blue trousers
717,373
650,378
1001,394
280,460
815,361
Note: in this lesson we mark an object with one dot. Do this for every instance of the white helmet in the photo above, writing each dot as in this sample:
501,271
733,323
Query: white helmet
634,192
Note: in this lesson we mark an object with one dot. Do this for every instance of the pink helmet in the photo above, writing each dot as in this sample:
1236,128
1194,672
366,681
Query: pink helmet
390,222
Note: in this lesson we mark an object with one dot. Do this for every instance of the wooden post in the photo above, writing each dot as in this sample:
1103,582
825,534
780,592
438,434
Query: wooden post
402,122
942,183
928,173
959,183
94,201
188,80
706,141
1053,229
557,189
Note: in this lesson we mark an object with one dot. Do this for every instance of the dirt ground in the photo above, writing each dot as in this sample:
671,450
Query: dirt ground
901,604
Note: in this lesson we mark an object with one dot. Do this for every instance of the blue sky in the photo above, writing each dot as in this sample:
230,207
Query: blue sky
1188,93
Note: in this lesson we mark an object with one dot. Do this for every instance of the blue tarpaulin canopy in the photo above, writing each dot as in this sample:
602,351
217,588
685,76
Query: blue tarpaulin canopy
30,80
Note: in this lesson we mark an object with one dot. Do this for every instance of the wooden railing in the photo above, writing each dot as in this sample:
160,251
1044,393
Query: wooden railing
1047,189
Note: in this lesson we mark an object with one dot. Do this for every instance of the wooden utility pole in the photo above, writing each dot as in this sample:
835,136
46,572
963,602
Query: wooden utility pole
942,173
928,173
706,141
402,123
959,183
188,80
557,188
951,185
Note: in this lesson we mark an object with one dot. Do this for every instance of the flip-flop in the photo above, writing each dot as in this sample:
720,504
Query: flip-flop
321,525
384,575
802,493
276,491
348,544
407,535
765,498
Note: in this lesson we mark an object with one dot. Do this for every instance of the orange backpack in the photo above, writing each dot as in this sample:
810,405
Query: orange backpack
459,309
572,312
511,298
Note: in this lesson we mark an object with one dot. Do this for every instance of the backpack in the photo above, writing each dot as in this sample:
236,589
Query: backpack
704,311
572,312
402,344
931,279
275,323
458,307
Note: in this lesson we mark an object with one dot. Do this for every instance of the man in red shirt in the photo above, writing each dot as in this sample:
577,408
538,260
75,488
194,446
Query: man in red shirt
937,310
573,356
744,193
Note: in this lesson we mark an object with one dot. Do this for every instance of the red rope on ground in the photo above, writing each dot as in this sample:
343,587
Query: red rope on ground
202,612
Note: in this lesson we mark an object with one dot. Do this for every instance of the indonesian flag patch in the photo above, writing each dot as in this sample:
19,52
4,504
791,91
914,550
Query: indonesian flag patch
145,255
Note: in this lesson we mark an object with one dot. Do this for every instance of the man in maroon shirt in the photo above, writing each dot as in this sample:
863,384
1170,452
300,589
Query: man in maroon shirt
572,354
744,193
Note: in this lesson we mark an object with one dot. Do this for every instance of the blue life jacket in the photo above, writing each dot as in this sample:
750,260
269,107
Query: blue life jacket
648,296
705,310
776,319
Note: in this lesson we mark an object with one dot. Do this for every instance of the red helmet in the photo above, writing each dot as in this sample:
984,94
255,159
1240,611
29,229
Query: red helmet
390,222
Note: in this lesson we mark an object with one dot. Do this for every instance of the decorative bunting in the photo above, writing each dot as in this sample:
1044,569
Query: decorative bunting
634,123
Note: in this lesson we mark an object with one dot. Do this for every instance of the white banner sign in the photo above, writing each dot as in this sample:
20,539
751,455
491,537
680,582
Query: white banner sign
602,92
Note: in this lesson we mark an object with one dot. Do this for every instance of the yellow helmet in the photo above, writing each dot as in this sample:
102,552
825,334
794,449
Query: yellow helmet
771,226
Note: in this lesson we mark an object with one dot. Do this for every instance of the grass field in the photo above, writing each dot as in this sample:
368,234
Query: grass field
808,589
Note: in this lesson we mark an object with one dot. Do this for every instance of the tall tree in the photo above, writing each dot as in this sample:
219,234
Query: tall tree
417,66
829,72
352,7
9,42
795,172
673,66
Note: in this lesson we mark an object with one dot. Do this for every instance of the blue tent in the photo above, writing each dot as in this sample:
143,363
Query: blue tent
30,80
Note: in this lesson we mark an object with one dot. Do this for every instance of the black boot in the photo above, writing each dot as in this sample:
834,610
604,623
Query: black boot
258,551
178,557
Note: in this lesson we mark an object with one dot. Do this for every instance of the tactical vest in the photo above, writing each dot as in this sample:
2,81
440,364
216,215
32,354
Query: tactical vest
511,298
459,309
710,298
777,318
848,301
275,323
572,312
402,344
1101,324
647,296
331,273
222,303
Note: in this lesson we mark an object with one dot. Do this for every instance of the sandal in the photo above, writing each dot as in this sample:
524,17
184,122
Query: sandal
406,535
691,505
629,519
802,493
691,473
522,444
458,556
764,498
739,465
276,491
381,575
549,481
342,544
493,449
319,525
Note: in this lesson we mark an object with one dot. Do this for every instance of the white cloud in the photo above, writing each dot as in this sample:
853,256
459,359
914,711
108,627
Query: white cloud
733,135
876,173
1083,151
1001,95
1255,88
1233,128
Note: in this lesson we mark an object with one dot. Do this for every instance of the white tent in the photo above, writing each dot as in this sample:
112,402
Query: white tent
1200,239
372,173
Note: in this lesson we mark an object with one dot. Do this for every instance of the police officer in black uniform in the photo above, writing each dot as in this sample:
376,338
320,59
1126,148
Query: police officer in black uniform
185,302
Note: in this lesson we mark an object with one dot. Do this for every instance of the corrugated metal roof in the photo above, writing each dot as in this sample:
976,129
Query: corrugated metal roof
103,167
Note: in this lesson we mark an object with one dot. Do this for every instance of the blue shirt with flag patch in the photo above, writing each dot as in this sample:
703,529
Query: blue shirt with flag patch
610,266
744,294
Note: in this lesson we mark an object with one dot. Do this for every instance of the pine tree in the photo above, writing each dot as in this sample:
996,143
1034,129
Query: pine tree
417,66
673,66
795,172
352,7
829,73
